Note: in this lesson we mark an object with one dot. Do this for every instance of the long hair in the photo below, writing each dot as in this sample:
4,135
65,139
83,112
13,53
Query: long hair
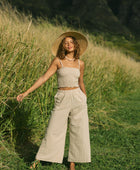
61,53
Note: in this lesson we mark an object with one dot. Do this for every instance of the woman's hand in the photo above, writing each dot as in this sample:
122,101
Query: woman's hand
21,96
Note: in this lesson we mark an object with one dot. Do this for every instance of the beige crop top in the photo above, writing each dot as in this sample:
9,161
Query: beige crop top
68,76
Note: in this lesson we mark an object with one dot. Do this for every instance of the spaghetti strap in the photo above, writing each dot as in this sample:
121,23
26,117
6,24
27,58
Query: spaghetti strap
79,64
61,62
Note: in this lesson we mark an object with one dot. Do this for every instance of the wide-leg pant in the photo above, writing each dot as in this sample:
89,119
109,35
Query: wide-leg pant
72,105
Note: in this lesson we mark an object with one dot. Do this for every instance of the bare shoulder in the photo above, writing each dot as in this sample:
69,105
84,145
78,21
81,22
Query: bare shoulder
81,63
55,60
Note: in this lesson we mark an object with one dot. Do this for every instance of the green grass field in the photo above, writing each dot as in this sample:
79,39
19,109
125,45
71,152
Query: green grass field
114,141
112,82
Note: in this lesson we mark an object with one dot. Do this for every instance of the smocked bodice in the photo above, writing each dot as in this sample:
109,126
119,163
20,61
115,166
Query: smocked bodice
68,76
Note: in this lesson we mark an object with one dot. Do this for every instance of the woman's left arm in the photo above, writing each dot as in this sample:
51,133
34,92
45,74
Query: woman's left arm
81,82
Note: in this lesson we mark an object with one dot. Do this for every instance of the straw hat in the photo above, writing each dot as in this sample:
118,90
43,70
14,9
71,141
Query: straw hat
81,39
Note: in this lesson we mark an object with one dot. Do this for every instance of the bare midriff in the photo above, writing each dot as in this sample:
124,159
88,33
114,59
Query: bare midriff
67,88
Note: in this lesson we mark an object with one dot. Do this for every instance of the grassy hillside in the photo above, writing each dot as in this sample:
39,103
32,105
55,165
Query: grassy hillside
109,77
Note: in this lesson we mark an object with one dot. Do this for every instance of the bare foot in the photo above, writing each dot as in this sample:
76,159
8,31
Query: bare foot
34,164
72,166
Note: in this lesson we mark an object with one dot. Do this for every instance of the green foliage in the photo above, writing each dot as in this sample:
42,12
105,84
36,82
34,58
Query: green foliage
113,119
127,44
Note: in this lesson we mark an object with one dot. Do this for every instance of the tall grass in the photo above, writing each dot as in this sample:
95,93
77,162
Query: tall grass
25,55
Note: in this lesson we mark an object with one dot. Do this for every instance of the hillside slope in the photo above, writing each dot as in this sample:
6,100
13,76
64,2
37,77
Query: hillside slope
118,17
109,75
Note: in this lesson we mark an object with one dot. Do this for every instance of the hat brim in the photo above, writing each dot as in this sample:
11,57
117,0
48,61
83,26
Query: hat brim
81,39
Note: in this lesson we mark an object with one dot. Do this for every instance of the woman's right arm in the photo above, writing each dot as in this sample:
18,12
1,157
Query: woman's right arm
51,70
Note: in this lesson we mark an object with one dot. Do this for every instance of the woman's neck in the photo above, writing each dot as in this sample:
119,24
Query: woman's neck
70,55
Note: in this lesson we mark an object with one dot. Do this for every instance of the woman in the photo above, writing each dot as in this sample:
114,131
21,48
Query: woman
70,103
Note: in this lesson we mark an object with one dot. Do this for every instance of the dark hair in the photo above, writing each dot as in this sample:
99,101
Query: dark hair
61,52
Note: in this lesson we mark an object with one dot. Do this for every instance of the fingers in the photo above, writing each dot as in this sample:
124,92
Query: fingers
20,97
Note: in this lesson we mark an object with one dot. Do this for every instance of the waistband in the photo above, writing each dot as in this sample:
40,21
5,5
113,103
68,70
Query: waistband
69,91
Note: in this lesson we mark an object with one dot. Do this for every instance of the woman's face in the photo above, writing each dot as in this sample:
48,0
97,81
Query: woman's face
69,44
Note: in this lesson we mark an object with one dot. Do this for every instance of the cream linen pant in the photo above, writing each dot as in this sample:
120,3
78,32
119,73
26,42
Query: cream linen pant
72,105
